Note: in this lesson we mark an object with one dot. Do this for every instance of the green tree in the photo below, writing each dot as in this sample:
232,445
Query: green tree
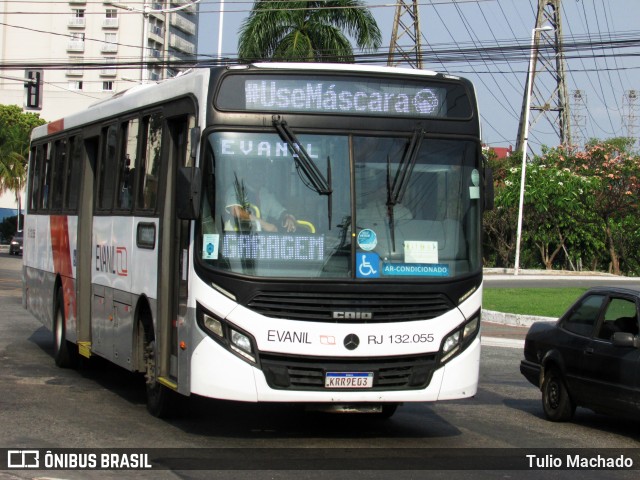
559,207
15,133
500,224
580,205
616,173
627,237
307,31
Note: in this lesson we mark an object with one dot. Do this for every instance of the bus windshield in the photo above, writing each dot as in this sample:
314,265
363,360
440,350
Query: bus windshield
396,207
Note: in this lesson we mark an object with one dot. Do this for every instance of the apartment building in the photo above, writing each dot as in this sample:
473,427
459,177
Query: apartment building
90,49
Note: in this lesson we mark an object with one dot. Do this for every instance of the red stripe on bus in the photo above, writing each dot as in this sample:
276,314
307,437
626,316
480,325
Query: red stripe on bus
61,249
55,126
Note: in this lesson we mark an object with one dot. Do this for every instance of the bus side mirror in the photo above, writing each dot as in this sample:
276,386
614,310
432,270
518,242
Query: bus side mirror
489,192
188,187
194,142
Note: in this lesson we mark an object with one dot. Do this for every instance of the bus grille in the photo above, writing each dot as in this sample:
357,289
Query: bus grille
319,307
304,373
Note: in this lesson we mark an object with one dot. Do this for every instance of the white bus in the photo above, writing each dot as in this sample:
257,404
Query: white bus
303,233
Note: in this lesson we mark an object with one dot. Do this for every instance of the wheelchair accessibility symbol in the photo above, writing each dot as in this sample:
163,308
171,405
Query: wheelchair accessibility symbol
367,265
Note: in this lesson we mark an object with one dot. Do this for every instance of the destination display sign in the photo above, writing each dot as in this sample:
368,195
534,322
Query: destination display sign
268,247
342,95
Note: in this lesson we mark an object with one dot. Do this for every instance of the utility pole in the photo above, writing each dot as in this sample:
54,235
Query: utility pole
578,118
630,109
405,36
547,61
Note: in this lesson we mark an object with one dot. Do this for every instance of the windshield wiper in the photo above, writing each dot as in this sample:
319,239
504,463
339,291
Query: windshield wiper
303,160
396,190
329,197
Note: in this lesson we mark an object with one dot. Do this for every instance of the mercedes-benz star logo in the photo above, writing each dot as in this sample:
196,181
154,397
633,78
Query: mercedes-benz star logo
351,341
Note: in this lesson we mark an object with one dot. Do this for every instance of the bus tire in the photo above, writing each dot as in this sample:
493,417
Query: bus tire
556,401
64,352
161,400
388,411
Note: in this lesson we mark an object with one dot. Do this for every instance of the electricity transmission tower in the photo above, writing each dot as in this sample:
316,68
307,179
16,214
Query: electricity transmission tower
548,94
406,28
630,109
578,117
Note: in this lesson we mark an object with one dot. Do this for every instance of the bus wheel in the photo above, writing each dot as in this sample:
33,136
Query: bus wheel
161,401
64,352
388,411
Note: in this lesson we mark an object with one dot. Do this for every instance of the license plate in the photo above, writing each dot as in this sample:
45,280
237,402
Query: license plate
348,380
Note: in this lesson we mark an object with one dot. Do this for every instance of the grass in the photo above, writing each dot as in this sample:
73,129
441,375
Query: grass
543,302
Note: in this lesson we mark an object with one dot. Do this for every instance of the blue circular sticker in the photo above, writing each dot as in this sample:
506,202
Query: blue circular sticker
367,239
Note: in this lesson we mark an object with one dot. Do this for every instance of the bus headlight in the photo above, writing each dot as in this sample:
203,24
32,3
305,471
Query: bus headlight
460,338
213,325
471,327
450,345
229,336
241,344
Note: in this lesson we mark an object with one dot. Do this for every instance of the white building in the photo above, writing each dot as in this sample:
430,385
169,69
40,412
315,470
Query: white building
90,50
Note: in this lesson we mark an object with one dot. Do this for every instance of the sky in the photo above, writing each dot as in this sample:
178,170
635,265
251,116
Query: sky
602,59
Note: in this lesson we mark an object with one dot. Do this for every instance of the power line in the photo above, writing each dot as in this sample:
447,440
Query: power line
594,88
598,76
615,60
490,53
608,72
244,10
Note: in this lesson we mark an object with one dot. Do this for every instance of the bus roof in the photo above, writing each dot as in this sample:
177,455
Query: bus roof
195,80
135,97
344,67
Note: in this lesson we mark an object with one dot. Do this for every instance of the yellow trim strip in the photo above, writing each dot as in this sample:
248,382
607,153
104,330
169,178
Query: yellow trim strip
84,349
167,383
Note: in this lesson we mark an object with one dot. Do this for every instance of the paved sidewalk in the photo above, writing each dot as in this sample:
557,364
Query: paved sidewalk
502,335
507,329
498,330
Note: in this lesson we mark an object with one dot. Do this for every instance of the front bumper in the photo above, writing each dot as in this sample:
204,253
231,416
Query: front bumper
217,373
531,372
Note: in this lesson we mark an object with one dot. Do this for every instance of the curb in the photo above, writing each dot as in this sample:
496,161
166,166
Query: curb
490,271
513,319
501,342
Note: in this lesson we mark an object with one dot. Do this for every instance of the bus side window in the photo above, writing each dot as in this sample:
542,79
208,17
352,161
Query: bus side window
74,168
34,178
58,169
106,175
46,177
150,163
126,164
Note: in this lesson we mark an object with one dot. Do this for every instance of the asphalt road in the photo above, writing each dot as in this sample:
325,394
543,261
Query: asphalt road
102,406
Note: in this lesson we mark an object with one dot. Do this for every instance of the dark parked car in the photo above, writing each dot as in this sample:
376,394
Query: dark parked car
590,357
15,248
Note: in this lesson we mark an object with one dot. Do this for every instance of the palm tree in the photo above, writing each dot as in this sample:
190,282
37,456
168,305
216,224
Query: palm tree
15,133
307,31
14,151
